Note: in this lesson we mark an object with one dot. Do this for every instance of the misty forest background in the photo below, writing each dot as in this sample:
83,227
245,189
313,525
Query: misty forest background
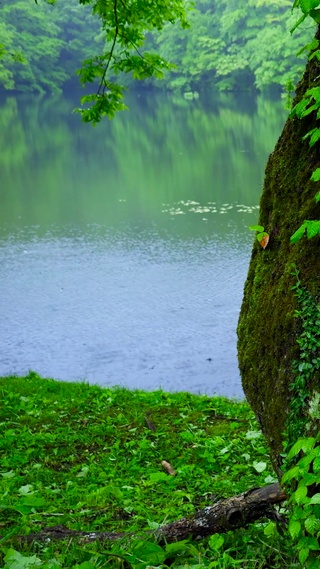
230,45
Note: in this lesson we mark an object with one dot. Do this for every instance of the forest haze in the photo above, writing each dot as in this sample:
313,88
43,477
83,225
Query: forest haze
229,45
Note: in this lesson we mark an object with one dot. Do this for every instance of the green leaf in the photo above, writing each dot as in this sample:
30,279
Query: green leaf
259,466
270,529
159,477
305,460
313,544
312,524
303,555
290,474
176,548
300,108
317,197
309,47
316,464
315,14
260,236
315,136
314,44
83,472
146,553
316,175
25,490
298,234
29,503
251,435
300,494
313,228
294,528
308,444
313,564
315,54
300,444
9,474
216,541
315,499
14,560
307,5
299,513
309,478
259,228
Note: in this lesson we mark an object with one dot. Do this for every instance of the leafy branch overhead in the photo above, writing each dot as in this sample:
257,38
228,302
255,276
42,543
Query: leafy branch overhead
125,26
224,47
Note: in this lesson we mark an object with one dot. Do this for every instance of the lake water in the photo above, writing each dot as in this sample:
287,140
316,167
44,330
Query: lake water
124,248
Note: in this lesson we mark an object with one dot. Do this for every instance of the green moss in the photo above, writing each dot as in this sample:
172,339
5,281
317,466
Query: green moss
268,329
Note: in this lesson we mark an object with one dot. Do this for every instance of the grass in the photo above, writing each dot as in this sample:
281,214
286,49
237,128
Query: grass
85,457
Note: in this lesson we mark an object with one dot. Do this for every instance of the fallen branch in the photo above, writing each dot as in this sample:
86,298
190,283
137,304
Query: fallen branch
224,515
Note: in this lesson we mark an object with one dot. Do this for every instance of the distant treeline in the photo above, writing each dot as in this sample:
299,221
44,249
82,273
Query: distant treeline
231,44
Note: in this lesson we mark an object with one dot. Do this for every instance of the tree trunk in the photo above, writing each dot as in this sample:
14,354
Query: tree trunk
268,329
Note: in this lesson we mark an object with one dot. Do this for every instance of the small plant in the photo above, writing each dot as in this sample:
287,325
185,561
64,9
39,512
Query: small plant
262,236
308,363
304,523
302,461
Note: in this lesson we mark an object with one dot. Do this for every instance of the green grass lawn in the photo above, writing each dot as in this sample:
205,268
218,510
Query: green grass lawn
89,458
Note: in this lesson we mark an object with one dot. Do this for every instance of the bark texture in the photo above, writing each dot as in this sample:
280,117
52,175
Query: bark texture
223,516
267,329
226,515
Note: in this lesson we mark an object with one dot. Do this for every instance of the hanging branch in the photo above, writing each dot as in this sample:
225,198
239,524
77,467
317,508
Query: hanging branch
102,86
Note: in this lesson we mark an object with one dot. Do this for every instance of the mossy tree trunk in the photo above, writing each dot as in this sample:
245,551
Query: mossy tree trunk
268,329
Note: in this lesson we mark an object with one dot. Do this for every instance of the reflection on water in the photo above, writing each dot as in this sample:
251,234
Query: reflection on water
124,249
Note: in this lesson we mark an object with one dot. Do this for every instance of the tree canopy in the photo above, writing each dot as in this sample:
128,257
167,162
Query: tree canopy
227,46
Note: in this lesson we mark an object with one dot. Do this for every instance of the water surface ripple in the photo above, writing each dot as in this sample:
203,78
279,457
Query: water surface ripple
124,249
